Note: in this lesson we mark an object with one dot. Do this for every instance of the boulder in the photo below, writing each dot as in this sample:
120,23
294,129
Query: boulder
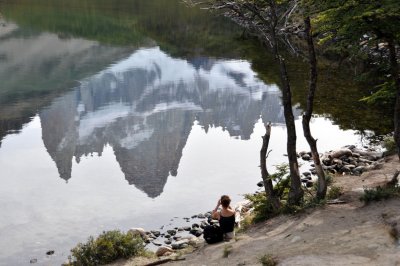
171,232
177,238
157,243
156,233
306,157
50,252
201,216
196,232
187,228
180,244
309,183
260,184
195,225
340,153
138,232
161,251
167,241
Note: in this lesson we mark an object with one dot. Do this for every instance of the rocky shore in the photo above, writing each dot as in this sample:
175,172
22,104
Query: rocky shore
353,169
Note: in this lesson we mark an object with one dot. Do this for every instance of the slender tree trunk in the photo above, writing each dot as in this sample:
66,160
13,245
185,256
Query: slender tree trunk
296,192
321,189
269,189
394,66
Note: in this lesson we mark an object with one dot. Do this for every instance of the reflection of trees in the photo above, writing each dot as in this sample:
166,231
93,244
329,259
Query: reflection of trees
147,118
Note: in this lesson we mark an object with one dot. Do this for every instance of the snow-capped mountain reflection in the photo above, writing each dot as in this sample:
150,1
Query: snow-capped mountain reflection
145,106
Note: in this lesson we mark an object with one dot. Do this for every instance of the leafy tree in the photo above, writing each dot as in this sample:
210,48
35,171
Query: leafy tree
265,18
370,30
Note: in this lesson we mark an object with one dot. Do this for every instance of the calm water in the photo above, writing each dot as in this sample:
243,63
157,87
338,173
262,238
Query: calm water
133,115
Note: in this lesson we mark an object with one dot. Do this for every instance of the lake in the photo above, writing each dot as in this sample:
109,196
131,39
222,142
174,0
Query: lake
138,114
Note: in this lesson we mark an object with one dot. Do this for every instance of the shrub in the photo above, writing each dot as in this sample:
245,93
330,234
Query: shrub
379,193
268,260
334,192
106,248
389,144
262,207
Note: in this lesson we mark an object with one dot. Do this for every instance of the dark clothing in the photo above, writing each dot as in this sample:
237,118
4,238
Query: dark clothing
227,223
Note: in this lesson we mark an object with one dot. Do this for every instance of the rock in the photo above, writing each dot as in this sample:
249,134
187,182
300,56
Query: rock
50,252
307,174
359,169
167,241
187,228
33,261
156,233
196,232
203,224
138,232
201,216
207,214
194,216
337,161
304,180
306,157
157,243
351,166
370,155
171,232
167,236
162,250
340,153
195,225
302,153
260,184
309,183
180,244
180,229
345,169
177,238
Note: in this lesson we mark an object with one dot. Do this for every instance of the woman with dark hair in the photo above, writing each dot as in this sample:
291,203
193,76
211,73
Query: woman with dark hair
226,217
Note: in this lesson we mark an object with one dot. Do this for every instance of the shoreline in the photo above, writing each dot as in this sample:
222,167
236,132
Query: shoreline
376,161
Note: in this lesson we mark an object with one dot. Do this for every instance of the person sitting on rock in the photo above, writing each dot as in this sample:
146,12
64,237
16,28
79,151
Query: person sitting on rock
226,217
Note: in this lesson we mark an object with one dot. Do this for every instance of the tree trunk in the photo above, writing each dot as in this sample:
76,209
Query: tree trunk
269,189
322,187
296,192
395,73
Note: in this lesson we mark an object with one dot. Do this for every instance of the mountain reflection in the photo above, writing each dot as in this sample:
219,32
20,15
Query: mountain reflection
144,107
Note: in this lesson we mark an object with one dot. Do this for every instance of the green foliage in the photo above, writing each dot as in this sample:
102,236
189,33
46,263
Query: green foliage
106,248
268,260
380,193
385,94
262,207
389,144
334,192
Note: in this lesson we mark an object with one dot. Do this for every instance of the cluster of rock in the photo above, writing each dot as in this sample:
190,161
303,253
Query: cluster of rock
348,160
177,238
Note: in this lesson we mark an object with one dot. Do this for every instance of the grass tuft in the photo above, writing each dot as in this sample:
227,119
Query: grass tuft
268,260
